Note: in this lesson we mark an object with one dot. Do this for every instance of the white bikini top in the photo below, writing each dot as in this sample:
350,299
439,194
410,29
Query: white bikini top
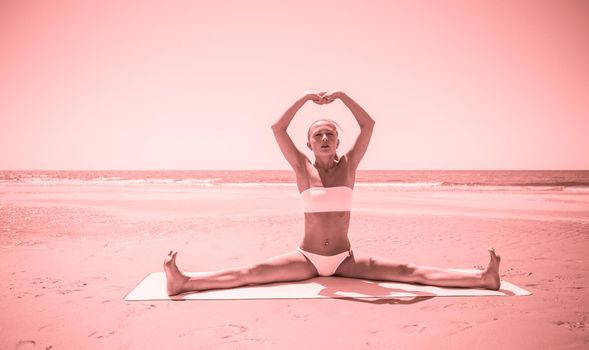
323,199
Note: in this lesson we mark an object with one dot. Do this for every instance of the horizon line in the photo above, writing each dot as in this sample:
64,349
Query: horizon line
14,170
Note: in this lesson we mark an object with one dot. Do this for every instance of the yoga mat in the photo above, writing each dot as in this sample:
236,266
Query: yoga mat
153,287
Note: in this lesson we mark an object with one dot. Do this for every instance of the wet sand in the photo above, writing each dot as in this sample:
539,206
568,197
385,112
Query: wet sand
70,253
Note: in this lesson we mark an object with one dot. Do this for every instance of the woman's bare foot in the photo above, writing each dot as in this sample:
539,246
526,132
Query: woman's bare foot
491,273
175,280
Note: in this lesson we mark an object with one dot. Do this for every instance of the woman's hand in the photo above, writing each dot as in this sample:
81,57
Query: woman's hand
315,97
331,96
322,98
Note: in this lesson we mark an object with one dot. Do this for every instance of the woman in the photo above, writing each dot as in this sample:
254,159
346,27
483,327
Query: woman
326,190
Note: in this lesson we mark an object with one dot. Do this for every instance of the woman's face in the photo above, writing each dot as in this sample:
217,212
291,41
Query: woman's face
323,138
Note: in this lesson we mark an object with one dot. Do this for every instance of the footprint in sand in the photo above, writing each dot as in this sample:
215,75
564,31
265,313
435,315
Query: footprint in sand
583,325
458,306
466,325
98,335
414,328
25,344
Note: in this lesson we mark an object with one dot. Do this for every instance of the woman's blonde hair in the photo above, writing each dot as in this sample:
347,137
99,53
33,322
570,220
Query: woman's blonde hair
338,128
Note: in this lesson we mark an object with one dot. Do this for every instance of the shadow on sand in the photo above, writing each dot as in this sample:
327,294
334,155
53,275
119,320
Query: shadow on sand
368,291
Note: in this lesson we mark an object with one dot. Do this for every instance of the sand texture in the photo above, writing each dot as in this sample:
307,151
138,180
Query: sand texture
70,253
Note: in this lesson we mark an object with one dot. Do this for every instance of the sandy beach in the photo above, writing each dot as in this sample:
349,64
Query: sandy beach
71,252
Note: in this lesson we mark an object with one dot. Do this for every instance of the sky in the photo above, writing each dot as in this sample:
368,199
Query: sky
182,85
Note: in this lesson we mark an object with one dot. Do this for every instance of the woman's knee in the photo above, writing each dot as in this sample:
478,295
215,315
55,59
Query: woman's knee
404,271
258,273
407,269
251,274
270,272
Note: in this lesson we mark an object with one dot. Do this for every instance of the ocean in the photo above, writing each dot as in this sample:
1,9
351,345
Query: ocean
489,180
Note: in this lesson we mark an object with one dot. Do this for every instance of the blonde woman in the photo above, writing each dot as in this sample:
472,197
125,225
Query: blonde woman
326,186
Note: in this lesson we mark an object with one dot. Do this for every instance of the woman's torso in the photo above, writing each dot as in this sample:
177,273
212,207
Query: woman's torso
326,233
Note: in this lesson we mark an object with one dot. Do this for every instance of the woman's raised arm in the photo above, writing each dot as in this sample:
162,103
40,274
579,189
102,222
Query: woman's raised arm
292,154
366,123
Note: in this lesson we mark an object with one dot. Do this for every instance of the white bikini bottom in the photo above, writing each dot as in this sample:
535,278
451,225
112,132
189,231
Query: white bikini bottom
326,265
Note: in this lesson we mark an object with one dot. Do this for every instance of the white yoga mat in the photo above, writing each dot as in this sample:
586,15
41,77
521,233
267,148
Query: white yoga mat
153,287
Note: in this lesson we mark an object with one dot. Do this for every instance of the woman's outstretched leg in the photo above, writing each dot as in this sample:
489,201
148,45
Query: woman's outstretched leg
287,267
380,269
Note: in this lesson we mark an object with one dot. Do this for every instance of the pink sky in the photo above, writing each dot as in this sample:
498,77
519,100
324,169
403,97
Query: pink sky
197,84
